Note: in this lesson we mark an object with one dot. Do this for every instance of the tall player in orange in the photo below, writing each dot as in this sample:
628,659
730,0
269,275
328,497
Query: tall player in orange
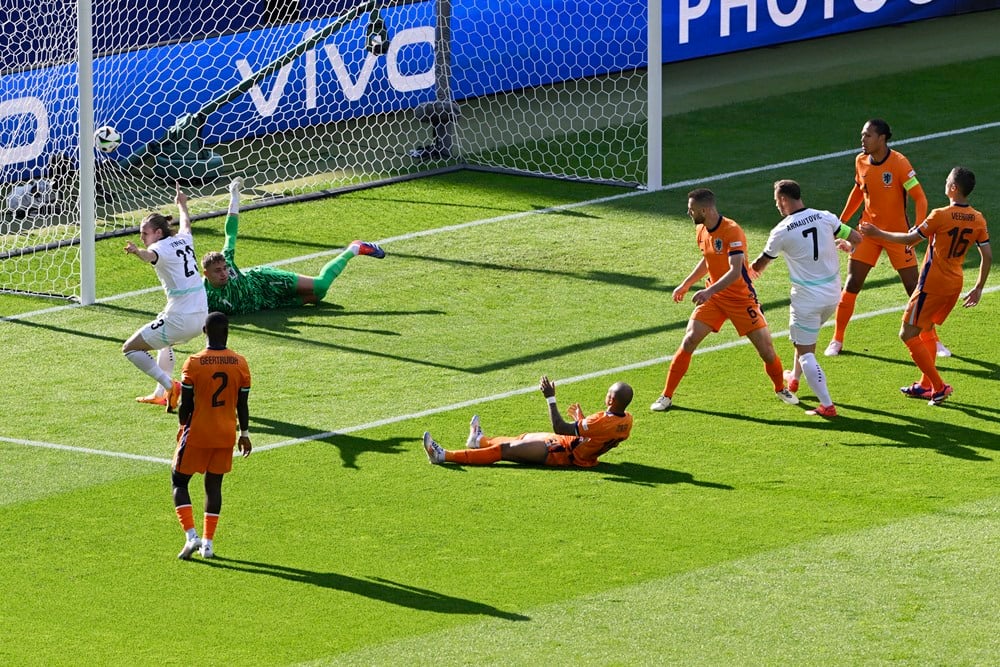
950,232
573,443
215,384
728,295
883,179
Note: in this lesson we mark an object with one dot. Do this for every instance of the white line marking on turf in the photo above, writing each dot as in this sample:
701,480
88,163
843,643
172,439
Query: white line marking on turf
460,405
454,406
84,450
554,209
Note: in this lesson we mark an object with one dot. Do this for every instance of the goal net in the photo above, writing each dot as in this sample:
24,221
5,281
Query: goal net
302,98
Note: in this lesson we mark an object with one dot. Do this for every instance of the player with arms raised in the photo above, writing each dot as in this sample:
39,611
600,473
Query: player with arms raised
176,265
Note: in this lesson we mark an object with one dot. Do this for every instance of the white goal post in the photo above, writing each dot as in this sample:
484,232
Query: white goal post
302,98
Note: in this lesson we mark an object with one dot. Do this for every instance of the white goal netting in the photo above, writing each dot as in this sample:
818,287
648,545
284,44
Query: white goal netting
302,98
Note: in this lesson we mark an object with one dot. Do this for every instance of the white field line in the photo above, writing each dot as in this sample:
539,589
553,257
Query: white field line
552,209
453,406
488,221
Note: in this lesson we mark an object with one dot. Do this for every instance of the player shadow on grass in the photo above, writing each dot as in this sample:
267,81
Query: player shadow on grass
349,446
71,332
625,472
284,319
374,588
643,475
928,433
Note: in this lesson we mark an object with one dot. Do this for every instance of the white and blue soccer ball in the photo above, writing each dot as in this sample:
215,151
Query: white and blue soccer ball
107,139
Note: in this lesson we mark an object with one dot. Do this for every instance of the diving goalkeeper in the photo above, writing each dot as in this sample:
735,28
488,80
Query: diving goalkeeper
235,292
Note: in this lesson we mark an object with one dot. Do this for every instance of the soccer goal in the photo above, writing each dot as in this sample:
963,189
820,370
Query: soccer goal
302,98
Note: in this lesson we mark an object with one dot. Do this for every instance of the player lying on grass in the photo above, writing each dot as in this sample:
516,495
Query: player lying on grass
236,292
574,443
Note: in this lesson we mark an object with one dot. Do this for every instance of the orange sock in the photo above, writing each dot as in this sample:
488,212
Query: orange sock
211,521
924,360
678,367
476,457
930,341
186,516
845,309
776,373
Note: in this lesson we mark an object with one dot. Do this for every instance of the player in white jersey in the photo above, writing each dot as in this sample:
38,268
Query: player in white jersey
176,265
808,239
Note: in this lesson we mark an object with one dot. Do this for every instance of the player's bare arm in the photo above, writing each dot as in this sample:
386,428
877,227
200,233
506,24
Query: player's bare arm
699,272
911,237
559,425
181,200
759,264
973,296
147,256
730,276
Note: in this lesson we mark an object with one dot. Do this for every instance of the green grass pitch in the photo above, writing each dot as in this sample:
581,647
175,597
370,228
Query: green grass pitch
732,530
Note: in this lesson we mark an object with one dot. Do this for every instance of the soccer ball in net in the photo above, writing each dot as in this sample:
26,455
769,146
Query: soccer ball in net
107,139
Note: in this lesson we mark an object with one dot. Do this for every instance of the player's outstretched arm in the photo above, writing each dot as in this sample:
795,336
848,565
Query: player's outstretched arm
181,200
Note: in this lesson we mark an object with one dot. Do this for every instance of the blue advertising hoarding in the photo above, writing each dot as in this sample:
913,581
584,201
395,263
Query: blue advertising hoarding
496,47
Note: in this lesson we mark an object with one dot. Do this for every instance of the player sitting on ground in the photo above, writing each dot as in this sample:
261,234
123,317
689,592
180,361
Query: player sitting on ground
236,292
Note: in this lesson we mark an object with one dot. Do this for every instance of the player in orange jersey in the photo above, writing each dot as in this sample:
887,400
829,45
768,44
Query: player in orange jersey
950,232
574,443
215,384
728,295
883,179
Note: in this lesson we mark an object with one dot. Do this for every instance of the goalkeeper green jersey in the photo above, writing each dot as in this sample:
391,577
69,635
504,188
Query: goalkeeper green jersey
260,288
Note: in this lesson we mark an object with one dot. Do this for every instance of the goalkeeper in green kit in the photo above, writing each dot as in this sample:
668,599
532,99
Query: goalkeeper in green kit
236,292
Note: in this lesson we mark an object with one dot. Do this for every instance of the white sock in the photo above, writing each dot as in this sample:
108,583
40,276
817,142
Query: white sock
192,534
815,378
165,360
145,363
